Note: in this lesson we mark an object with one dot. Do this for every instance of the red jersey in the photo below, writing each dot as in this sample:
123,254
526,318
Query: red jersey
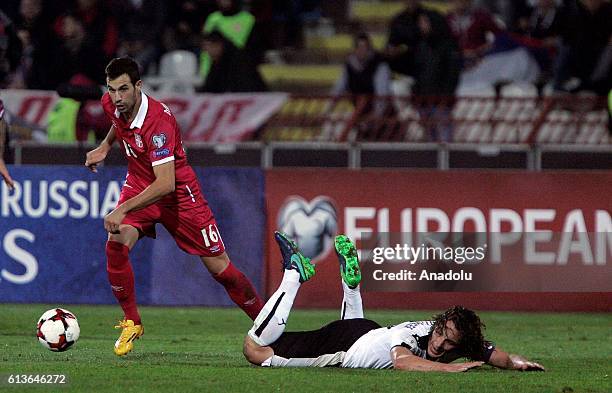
151,139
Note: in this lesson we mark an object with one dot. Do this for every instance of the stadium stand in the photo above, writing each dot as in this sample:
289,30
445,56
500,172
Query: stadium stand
510,115
178,72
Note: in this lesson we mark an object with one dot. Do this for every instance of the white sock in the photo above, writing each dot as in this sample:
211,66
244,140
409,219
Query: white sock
352,307
272,319
326,360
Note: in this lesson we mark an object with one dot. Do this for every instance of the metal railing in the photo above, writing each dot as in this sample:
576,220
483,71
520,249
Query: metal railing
515,132
356,155
476,119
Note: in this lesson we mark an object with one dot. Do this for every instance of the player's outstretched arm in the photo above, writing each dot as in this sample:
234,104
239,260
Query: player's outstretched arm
98,154
4,173
403,359
163,185
508,361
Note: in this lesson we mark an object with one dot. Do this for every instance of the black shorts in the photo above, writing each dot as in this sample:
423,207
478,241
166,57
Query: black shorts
337,336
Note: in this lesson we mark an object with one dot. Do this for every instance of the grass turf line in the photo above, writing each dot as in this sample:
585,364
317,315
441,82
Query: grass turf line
199,349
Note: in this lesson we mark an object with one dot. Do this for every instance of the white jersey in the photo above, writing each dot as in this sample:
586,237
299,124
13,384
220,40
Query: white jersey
373,349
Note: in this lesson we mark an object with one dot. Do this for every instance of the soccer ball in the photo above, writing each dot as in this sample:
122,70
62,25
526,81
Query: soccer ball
57,329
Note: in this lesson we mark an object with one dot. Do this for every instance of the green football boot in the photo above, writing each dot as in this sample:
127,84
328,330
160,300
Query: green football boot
293,258
349,263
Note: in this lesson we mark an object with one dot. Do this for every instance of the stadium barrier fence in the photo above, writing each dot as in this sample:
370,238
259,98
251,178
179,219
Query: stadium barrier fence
312,205
53,239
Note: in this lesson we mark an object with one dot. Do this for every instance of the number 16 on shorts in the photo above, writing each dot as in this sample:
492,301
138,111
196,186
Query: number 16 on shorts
212,237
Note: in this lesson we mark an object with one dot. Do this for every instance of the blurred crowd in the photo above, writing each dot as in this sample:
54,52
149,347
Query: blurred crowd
46,43
563,45
566,44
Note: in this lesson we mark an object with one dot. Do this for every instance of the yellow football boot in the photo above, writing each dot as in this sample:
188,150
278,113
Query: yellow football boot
130,332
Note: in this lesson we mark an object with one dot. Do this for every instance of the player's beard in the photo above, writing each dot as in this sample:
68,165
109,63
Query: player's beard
128,109
133,107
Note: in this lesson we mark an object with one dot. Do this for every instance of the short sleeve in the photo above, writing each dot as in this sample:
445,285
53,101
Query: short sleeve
489,348
403,338
162,140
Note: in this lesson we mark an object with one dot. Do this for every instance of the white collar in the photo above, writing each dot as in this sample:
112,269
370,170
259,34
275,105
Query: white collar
142,112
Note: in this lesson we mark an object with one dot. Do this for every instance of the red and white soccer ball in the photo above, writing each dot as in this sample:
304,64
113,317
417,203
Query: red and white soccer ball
57,329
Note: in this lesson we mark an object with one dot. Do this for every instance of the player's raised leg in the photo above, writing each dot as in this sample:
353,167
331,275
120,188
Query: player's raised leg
271,321
238,286
121,278
195,232
352,306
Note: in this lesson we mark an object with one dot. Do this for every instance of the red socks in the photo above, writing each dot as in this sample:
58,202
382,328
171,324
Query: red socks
121,278
240,290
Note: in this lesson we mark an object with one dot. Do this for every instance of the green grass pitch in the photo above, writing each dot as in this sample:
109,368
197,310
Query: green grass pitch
199,350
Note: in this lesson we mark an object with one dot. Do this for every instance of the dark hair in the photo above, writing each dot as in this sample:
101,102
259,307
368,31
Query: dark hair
123,65
468,325
361,36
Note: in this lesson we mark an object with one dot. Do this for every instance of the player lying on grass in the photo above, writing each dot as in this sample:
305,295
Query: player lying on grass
355,342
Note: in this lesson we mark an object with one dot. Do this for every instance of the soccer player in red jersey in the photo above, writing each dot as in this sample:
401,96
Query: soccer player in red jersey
161,187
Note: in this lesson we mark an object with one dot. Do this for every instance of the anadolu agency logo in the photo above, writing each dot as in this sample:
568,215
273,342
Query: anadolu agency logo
312,225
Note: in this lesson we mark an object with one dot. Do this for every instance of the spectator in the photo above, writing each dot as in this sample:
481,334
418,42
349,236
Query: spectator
540,30
290,16
100,25
141,28
77,45
543,21
508,11
404,36
27,28
231,68
421,45
34,30
367,78
490,56
586,52
40,17
10,48
32,19
236,26
365,72
20,77
185,22
472,28
71,54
